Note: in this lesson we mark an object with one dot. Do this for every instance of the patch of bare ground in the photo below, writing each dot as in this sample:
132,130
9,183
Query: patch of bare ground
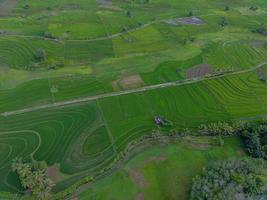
127,82
259,43
53,173
138,178
261,73
240,153
130,82
75,198
6,7
186,20
195,144
115,85
105,2
139,196
199,71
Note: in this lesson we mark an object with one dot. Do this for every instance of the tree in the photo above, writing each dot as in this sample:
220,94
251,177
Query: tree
33,177
253,8
47,34
129,13
231,179
190,13
252,143
260,30
40,55
223,22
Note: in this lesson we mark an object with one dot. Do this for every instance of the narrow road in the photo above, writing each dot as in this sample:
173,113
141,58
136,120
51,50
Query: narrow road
108,37
81,40
124,92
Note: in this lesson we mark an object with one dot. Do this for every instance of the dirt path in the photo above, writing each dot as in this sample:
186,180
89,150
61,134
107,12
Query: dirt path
99,38
82,40
112,94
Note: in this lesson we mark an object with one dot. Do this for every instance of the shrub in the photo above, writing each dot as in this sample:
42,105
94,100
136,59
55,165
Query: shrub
40,55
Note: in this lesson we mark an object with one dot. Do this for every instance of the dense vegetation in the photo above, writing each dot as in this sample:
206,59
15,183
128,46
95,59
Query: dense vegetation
33,177
256,141
231,179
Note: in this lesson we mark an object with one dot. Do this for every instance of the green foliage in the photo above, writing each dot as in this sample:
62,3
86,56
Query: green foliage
40,55
226,8
33,177
223,22
231,179
220,128
253,8
260,30
255,140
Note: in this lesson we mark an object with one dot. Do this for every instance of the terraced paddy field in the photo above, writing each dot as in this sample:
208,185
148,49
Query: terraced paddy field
107,68
83,139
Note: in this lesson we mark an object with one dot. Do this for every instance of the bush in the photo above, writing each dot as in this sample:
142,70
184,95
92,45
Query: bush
255,140
260,30
40,55
220,128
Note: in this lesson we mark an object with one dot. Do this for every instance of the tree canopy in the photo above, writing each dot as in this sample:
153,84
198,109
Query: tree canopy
231,179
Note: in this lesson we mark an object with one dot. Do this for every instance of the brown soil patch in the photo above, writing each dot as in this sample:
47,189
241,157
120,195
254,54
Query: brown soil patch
6,7
199,71
75,198
139,196
240,152
138,178
130,82
115,85
127,82
53,173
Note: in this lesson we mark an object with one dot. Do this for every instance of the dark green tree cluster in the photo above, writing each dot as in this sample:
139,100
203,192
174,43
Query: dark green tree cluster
223,128
254,135
260,30
33,177
231,179
40,55
253,8
255,139
223,22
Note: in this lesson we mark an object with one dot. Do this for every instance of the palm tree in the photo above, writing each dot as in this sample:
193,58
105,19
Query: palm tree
25,170
16,164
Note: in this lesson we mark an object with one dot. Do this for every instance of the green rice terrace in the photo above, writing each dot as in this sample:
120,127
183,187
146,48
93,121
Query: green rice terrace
110,95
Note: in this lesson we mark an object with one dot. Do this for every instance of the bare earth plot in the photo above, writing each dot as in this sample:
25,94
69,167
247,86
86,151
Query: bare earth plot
6,7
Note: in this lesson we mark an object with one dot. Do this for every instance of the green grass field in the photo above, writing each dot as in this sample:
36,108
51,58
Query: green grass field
161,172
102,47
